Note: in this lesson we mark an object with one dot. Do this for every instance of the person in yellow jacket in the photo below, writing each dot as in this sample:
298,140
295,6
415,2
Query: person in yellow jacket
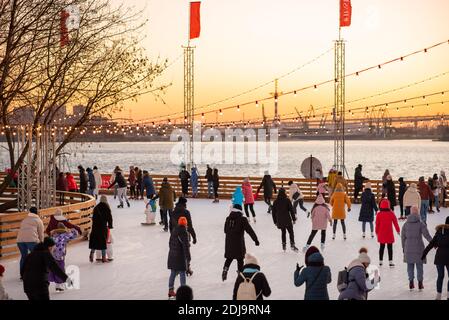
331,179
340,179
338,201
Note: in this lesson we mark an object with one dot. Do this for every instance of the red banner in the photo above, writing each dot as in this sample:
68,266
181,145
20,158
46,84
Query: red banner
195,20
345,13
64,31
105,181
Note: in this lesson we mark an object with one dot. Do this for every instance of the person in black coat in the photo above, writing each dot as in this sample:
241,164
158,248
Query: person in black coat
101,221
284,217
402,189
358,182
235,227
179,255
390,192
181,211
251,270
368,209
35,271
441,242
210,182
184,175
216,185
268,187
83,179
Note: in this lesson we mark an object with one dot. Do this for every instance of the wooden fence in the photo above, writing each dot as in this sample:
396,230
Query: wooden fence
77,209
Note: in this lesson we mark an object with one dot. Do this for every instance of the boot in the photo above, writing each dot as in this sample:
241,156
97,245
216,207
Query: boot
333,237
372,235
344,236
411,285
420,286
224,275
120,206
128,204
381,263
104,260
293,247
363,235
171,294
392,264
306,247
91,257
308,214
284,247
438,297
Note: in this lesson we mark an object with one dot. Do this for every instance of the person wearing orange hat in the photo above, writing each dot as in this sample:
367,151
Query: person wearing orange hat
178,255
385,220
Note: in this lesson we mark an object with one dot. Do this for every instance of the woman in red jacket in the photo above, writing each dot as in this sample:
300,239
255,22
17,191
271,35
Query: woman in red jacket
247,190
385,220
71,183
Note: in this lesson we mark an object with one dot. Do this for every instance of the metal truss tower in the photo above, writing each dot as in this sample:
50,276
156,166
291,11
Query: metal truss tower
339,107
189,106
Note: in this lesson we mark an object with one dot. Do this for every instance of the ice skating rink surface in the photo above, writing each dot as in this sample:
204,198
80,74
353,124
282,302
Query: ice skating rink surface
139,270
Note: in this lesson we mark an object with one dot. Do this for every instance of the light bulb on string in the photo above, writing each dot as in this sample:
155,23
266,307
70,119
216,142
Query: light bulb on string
294,94
257,104
238,108
315,88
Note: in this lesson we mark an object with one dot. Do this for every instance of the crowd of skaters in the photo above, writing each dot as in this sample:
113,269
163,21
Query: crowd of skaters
332,203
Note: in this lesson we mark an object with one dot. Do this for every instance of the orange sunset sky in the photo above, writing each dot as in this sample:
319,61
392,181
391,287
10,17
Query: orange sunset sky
245,43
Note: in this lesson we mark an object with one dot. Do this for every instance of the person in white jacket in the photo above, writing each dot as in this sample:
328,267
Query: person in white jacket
98,181
3,294
31,233
297,198
411,198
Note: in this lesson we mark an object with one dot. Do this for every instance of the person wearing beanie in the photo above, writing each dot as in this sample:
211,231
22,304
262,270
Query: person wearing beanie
184,176
184,293
320,219
358,182
251,272
412,234
181,211
122,188
385,220
284,217
411,198
297,198
3,294
92,183
402,190
359,283
36,268
311,250
440,241
57,218
179,258
268,187
368,209
31,232
235,227
339,201
315,275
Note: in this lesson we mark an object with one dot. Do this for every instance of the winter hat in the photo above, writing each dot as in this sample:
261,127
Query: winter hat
368,185
103,199
320,200
182,221
250,259
2,270
58,213
384,204
363,256
309,252
182,201
339,187
413,185
267,173
33,210
389,177
414,210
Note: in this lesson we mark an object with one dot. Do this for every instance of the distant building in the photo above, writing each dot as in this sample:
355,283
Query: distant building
22,115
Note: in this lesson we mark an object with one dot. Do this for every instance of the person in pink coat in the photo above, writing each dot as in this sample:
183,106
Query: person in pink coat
320,218
385,220
247,190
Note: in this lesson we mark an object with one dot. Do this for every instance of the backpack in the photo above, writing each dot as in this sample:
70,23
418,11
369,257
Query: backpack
296,195
247,289
343,280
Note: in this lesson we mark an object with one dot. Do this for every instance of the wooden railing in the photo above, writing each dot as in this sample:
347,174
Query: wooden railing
77,209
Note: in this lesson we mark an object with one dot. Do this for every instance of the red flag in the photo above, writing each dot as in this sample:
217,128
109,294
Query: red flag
195,20
345,13
64,31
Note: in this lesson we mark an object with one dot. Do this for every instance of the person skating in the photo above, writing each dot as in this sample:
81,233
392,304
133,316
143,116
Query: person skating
251,274
216,185
181,211
268,188
36,268
359,179
390,190
284,217
384,181
167,198
320,218
31,233
3,294
122,188
247,190
385,220
194,182
402,190
332,175
147,185
339,201
340,179
184,175
58,218
83,179
98,182
440,241
179,255
210,182
234,228
297,198
411,198
92,184
436,189
132,183
443,185
61,236
368,209
101,222
315,275
412,234
139,183
61,186
237,197
323,188
426,196
359,284
71,183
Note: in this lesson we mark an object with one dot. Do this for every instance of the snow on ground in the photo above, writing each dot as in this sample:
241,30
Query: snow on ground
139,270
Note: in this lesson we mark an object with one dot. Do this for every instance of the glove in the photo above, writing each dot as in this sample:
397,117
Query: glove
298,268
257,243
349,210
194,241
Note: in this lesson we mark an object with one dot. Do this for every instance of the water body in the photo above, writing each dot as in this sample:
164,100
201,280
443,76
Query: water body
407,158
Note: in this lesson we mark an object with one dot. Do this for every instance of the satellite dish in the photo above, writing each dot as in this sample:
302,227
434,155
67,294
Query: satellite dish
311,168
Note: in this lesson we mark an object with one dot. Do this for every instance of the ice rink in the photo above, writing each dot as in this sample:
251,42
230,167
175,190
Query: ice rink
139,270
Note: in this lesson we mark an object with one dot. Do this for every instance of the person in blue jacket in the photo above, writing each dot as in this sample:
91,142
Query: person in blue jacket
237,197
194,182
148,185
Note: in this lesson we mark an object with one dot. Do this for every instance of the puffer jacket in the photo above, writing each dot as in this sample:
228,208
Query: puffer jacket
320,215
31,229
316,276
235,227
357,289
385,220
167,196
237,196
440,241
247,190
412,234
412,197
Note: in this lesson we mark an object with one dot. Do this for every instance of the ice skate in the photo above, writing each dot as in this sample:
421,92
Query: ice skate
381,263
438,297
333,237
372,235
293,247
420,286
171,294
128,204
224,274
344,237
323,246
363,235
120,206
392,264
91,257
254,219
284,247
411,285
308,214
304,250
